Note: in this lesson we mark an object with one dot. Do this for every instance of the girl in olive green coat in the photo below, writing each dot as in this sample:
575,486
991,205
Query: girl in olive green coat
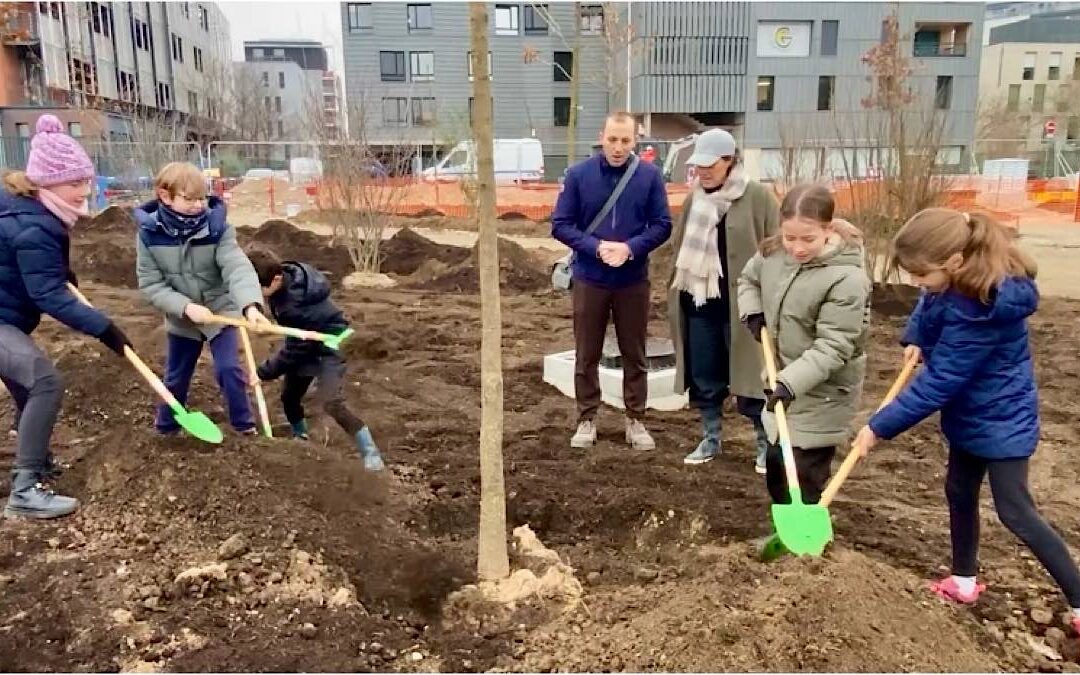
808,286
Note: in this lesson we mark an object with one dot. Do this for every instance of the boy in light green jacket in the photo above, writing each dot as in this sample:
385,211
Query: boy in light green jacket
808,286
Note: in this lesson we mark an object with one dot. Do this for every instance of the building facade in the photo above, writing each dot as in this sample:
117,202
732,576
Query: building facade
770,73
298,88
98,65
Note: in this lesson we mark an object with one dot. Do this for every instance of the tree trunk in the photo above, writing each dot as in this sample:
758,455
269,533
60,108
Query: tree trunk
492,561
575,89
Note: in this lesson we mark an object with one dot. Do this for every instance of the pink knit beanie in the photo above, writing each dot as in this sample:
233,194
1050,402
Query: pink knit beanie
55,157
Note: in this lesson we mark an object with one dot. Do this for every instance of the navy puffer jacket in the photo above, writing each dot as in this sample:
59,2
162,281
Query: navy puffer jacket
35,269
977,371
302,302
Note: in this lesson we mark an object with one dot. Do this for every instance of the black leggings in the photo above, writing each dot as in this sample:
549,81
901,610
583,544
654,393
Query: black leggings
1015,508
812,467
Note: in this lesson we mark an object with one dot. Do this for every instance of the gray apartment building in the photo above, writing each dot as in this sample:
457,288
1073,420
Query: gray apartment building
298,88
770,72
98,64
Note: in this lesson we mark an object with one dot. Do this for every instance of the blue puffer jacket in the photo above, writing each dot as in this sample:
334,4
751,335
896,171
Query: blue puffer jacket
35,270
303,302
978,372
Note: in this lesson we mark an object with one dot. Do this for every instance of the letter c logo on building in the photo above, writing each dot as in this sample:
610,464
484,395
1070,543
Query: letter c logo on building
783,37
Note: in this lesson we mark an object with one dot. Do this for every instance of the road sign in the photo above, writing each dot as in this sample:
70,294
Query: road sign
1049,128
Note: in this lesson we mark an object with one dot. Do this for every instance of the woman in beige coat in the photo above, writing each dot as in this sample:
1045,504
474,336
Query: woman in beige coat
724,219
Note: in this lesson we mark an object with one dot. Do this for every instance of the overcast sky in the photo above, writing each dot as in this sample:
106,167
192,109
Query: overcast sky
306,19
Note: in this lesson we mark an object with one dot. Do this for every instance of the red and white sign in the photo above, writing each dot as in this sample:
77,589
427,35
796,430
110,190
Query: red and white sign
1049,128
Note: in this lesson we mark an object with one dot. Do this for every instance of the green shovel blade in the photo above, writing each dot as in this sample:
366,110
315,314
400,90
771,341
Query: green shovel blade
198,425
334,341
805,529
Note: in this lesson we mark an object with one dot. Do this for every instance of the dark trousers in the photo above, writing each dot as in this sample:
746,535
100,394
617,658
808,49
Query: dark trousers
180,361
812,465
707,353
1015,508
19,395
629,309
329,395
38,391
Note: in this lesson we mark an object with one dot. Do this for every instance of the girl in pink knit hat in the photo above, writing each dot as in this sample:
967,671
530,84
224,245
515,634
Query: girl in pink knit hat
37,209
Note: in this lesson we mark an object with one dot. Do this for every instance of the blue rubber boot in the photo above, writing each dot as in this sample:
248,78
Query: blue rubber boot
373,461
300,430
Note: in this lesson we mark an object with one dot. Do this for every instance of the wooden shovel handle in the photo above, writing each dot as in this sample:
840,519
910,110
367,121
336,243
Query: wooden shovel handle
853,456
253,373
790,470
269,328
153,380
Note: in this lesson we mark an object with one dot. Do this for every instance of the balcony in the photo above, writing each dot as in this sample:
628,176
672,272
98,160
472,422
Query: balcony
17,26
940,40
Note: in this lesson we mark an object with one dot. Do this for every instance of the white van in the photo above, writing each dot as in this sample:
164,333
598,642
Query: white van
517,160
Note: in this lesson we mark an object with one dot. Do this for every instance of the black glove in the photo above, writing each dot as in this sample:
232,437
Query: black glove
114,339
755,322
262,371
780,395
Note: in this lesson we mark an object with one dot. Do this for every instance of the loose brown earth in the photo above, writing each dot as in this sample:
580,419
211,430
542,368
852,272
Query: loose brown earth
662,548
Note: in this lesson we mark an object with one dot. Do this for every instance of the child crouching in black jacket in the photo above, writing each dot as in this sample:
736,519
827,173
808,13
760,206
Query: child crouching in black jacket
299,297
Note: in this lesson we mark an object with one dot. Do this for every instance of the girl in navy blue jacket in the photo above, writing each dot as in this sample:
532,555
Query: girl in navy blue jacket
970,329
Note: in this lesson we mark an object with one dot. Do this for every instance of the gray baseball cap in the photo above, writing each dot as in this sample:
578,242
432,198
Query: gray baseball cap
711,146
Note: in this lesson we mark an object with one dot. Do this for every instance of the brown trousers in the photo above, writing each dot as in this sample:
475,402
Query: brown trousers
629,308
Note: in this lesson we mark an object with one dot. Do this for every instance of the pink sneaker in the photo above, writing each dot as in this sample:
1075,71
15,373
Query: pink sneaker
946,589
1076,625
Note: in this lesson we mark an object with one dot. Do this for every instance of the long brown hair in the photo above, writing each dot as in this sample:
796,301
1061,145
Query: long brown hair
812,202
932,236
17,183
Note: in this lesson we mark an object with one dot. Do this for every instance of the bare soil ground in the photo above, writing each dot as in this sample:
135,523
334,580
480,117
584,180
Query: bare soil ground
330,569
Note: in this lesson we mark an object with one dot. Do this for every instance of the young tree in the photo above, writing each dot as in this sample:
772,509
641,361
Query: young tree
492,560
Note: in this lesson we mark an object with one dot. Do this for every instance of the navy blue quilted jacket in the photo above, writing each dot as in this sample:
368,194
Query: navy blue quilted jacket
35,269
977,371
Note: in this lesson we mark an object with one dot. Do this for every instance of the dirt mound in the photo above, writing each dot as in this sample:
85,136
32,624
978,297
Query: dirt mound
114,219
106,262
844,613
519,272
292,243
894,300
406,252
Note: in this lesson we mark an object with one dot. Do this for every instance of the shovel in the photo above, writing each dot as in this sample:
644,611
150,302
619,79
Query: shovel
804,529
253,373
773,547
331,341
194,422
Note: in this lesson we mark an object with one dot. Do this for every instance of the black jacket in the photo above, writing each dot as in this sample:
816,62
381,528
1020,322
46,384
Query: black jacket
303,302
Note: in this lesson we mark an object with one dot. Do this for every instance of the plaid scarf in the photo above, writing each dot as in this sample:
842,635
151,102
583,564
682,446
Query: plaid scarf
697,267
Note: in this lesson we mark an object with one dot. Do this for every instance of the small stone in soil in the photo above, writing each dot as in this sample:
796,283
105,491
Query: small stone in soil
1042,616
593,578
233,547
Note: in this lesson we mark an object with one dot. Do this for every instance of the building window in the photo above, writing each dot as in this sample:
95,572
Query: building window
1029,66
535,23
419,17
163,95
1062,101
395,112
506,19
563,66
100,18
1053,72
1072,129
266,103
561,112
193,102
258,54
392,66
177,48
277,104
592,19
204,18
943,93
423,112
1014,98
279,52
491,73
1038,99
75,129
359,16
281,80
23,130
830,32
266,79
765,86
280,129
1076,67
186,8
472,118
422,65
198,59
825,87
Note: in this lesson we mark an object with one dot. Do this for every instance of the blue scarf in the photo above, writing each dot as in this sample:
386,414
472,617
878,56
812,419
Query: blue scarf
181,226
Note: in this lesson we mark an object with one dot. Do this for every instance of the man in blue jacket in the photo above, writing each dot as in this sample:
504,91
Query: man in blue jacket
611,271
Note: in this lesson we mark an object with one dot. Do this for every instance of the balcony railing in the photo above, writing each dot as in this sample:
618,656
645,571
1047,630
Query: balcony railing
932,49
17,26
